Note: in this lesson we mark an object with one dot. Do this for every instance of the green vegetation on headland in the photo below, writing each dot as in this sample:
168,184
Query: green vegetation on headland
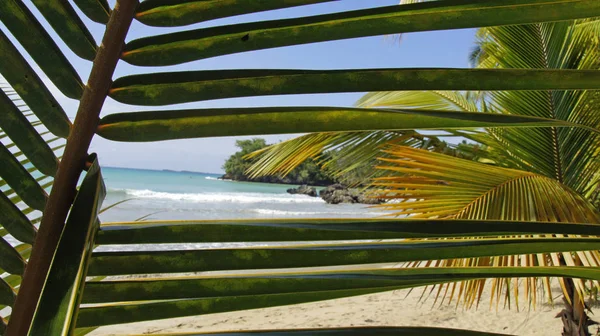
237,165
306,174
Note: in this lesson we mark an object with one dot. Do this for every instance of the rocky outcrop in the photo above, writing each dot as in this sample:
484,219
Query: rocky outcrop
338,193
365,199
303,190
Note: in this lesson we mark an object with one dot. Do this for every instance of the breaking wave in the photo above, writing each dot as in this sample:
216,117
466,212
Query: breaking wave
219,197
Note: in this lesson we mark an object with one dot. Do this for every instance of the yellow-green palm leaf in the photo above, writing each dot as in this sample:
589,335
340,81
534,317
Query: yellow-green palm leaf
422,184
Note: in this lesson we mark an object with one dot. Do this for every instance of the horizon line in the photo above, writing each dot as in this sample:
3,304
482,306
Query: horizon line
165,169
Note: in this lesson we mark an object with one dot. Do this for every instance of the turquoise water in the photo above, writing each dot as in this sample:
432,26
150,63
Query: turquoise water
158,195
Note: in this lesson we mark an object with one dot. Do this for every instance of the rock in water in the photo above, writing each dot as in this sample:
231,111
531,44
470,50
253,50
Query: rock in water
338,193
364,199
304,190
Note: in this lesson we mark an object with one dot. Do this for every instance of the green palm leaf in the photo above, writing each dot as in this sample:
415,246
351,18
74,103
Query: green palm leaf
11,262
424,100
282,230
355,331
557,45
67,24
295,282
330,149
24,135
212,294
192,45
178,124
433,185
182,87
344,154
547,188
7,295
165,14
97,10
28,85
67,274
429,185
30,151
38,43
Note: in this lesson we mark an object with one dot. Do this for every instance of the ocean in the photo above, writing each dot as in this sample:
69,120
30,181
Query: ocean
160,195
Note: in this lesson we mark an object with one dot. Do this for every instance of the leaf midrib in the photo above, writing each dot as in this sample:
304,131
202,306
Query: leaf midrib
558,169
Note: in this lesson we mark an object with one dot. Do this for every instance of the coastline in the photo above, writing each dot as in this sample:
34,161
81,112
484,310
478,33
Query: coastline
184,196
283,184
334,193
276,180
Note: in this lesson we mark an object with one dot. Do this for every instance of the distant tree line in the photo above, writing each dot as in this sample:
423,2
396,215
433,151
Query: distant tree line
237,165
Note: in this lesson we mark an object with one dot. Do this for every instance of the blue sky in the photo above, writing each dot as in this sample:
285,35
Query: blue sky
431,49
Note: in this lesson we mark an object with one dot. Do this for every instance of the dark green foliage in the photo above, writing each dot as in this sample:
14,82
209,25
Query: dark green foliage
237,165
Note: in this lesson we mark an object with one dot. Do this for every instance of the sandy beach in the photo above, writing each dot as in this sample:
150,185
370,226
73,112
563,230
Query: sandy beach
394,308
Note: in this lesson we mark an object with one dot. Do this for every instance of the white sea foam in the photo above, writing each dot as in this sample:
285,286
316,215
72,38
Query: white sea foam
286,213
211,178
359,211
221,197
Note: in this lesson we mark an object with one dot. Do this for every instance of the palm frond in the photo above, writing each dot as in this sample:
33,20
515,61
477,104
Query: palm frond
564,45
343,154
30,156
56,265
332,151
430,185
425,100
421,184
